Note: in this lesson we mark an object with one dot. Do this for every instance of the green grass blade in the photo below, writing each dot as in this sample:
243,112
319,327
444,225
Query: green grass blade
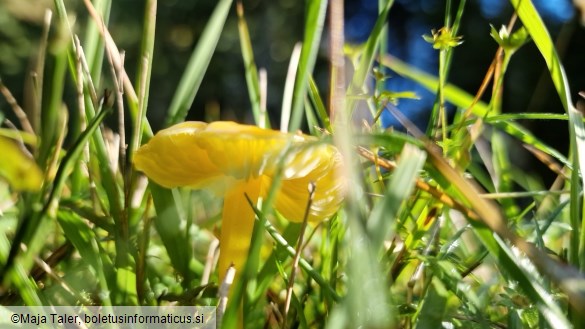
522,116
86,243
577,244
250,67
367,301
399,188
313,30
170,225
463,100
290,250
29,226
447,56
578,149
491,217
502,166
28,289
526,280
318,104
93,43
538,32
53,99
433,306
312,121
382,48
453,94
195,70
143,76
98,144
367,57
279,255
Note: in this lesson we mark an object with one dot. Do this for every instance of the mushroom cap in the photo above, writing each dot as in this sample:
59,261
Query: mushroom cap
216,155
319,164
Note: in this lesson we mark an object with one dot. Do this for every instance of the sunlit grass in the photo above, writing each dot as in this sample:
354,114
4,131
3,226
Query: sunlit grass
437,227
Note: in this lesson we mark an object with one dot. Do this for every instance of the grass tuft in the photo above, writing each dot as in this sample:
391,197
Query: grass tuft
437,227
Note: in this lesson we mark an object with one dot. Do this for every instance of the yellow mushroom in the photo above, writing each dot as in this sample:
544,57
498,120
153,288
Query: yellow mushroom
236,160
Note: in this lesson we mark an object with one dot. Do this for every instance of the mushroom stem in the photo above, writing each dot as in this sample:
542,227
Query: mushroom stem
237,225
